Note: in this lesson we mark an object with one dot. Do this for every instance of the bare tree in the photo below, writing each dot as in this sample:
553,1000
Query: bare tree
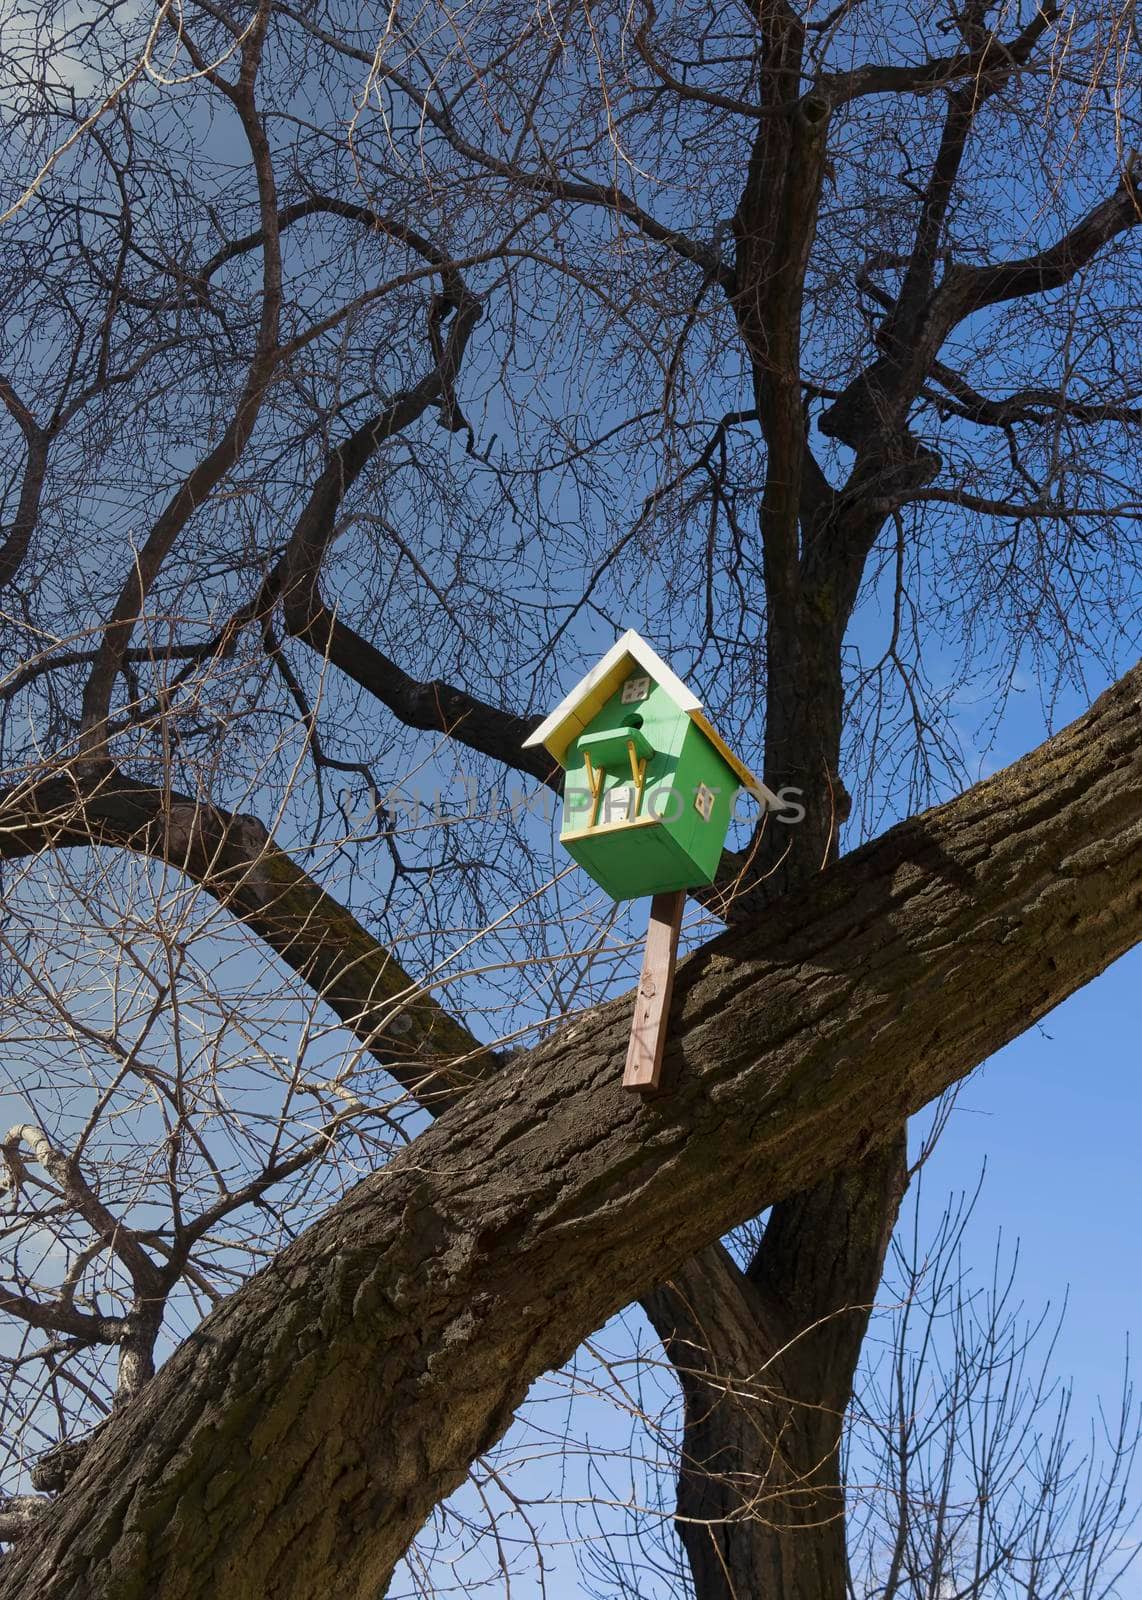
978,1487
357,374
966,1474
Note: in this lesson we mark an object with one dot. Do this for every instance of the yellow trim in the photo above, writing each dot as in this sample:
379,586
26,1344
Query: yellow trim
585,711
595,779
736,765
579,708
591,693
739,767
638,774
611,827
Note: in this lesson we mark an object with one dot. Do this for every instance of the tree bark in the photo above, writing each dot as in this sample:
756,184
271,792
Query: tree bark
311,1423
766,1360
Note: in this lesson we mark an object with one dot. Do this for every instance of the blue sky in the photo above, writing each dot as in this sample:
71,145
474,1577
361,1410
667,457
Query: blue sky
1057,1115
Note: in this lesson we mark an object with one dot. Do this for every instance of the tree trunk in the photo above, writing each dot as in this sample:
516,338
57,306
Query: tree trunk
301,1435
766,1360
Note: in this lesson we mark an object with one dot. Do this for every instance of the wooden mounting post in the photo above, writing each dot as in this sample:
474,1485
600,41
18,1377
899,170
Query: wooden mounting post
652,1001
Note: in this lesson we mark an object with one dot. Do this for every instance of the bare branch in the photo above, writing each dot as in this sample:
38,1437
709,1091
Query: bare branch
66,1173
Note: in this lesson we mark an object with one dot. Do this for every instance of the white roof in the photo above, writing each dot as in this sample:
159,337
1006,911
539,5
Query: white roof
591,693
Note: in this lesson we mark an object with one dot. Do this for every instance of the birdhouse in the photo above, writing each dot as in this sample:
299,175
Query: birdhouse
651,785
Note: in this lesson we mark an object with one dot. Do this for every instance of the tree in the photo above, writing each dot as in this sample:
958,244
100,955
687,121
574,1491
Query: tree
981,1490
352,374
963,1472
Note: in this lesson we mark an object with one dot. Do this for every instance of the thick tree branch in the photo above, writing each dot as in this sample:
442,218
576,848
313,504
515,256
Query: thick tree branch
436,706
320,205
55,1317
1026,510
874,405
774,226
37,440
1033,405
968,289
765,1360
420,1308
233,857
996,57
432,707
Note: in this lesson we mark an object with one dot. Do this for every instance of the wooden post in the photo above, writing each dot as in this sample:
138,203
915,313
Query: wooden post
652,1001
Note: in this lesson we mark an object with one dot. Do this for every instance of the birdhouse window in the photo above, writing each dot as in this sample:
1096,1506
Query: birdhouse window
635,690
704,802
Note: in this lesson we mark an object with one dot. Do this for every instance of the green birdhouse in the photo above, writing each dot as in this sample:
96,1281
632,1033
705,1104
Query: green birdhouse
651,785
